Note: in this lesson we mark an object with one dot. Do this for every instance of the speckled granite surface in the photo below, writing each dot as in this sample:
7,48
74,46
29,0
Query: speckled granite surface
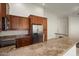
5,50
53,47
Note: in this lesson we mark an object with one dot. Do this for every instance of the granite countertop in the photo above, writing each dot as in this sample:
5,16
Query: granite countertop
52,47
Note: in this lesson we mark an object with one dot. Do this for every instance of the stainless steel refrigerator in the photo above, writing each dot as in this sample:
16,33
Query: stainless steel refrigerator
37,33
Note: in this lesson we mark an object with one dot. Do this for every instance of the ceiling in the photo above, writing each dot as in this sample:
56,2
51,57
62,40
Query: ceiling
60,8
63,8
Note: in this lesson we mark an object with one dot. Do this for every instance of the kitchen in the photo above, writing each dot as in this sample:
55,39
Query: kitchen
24,29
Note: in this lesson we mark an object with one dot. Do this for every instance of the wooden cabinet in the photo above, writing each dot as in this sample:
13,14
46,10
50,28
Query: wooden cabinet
39,20
2,13
2,9
18,23
14,23
21,42
45,28
45,24
24,23
35,19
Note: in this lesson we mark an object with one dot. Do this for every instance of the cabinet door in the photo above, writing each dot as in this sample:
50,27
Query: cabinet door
45,35
33,20
19,23
36,20
14,23
0,10
25,42
45,24
21,42
2,13
24,23
39,20
3,9
45,29
18,43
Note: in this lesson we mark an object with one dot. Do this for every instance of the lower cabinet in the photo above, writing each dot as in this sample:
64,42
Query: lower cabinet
25,41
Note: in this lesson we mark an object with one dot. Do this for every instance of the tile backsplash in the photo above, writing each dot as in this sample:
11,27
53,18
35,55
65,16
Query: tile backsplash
12,35
13,32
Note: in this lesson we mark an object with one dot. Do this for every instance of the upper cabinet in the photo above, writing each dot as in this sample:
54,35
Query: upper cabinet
24,23
18,23
2,9
2,13
14,23
35,19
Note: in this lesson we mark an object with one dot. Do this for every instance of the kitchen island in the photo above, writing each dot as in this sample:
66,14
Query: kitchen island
52,47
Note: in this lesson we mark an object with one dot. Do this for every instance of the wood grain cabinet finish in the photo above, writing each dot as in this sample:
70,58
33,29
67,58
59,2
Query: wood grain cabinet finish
21,42
14,23
39,20
45,24
2,9
24,23
2,13
18,23
35,19
45,28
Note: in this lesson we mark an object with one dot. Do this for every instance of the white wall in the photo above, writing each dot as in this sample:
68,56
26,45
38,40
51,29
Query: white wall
56,24
22,9
63,25
52,24
74,27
